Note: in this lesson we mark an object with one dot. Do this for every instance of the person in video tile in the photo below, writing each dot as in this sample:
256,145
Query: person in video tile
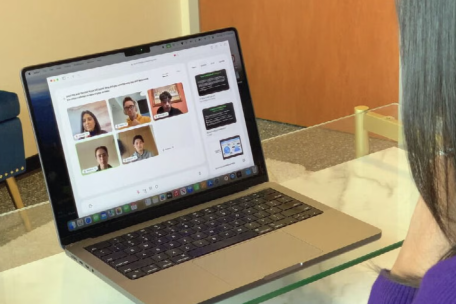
166,106
102,155
140,153
131,110
89,123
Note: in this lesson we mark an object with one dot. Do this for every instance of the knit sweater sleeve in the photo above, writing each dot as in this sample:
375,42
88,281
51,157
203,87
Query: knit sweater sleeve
438,286
385,291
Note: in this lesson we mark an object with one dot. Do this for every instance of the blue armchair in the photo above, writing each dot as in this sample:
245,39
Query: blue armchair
12,154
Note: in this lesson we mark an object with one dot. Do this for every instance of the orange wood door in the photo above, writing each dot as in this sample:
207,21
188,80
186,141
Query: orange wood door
310,61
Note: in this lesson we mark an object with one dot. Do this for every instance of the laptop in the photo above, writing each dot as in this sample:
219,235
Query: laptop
155,172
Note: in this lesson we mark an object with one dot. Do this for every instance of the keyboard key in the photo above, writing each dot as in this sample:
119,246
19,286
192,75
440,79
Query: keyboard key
133,275
264,221
220,213
238,215
102,252
173,237
250,218
234,209
226,227
131,236
252,225
146,254
291,212
200,227
150,269
132,250
143,231
98,246
124,261
158,227
219,245
213,231
196,214
170,230
273,210
201,243
263,229
261,214
146,245
273,203
211,217
180,258
227,234
116,240
135,265
161,241
289,205
225,219
183,226
284,199
282,223
209,210
238,223
241,229
250,211
159,234
186,240
220,206
134,242
197,221
173,244
199,236
114,256
212,224
183,219
159,249
187,247
165,264
160,257
145,238
262,207
171,223
173,252
276,217
214,238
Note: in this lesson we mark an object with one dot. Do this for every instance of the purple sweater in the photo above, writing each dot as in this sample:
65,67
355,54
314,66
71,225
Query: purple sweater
438,286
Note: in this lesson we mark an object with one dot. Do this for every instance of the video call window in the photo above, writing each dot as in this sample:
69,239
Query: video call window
168,101
89,120
129,110
137,144
97,155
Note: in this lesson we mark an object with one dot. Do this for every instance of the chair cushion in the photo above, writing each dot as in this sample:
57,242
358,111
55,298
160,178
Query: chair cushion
9,106
12,154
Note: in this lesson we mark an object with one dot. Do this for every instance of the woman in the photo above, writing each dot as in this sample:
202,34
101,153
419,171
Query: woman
89,123
425,270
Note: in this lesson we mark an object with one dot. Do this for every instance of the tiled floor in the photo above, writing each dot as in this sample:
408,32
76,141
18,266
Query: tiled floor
33,189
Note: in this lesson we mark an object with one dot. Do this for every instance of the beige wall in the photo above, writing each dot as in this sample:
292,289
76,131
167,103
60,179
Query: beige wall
47,30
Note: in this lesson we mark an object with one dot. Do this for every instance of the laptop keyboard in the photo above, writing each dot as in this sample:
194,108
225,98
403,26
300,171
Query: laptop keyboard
172,242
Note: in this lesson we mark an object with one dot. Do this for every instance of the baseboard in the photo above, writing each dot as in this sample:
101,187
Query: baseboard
32,163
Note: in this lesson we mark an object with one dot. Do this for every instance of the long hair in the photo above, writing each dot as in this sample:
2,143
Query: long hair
97,128
428,59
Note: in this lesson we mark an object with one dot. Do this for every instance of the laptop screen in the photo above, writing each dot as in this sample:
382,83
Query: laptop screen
147,127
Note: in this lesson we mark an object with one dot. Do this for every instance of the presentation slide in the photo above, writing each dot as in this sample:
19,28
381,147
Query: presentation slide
213,82
231,147
219,116
89,120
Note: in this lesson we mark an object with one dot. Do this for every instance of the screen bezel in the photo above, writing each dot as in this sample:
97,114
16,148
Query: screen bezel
53,159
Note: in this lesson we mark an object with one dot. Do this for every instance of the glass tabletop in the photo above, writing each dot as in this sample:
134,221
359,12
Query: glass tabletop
340,163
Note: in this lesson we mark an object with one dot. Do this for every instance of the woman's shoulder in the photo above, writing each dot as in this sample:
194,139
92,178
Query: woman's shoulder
103,132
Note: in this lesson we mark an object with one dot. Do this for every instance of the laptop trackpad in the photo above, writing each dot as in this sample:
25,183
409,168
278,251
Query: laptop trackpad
251,261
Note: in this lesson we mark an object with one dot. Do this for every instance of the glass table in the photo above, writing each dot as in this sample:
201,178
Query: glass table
339,163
